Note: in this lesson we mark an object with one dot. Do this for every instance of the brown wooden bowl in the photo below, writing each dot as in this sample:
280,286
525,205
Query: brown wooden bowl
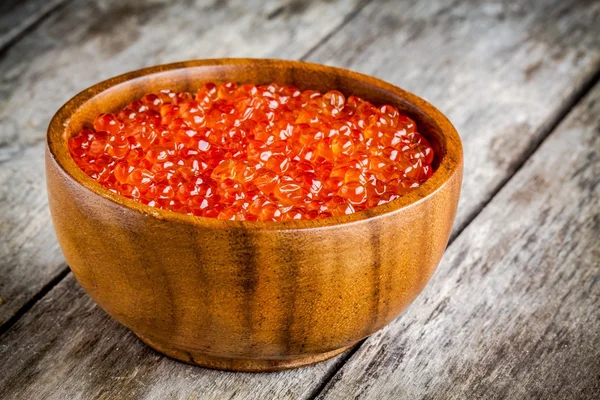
249,296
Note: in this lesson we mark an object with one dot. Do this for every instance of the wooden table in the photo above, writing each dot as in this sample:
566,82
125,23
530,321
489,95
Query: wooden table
514,308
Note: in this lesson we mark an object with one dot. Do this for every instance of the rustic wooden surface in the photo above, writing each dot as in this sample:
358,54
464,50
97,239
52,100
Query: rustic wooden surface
513,311
18,16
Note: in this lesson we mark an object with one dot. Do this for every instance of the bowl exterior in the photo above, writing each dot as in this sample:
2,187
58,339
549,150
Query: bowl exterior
249,299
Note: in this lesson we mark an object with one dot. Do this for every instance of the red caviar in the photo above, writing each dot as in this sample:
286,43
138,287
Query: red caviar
268,153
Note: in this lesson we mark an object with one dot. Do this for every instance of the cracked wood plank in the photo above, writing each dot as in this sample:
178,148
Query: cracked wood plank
16,17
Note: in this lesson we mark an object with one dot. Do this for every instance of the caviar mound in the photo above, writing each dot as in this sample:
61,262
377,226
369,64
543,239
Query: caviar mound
255,153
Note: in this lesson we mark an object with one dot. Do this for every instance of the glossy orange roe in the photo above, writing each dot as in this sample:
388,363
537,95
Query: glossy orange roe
268,153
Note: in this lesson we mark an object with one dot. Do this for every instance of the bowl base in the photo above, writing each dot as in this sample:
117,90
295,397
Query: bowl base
240,364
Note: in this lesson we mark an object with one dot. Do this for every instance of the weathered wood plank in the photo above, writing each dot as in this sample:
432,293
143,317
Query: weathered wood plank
18,16
90,41
66,347
514,309
501,70
30,256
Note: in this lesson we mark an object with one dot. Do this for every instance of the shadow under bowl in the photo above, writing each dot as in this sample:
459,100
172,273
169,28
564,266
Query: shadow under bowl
249,296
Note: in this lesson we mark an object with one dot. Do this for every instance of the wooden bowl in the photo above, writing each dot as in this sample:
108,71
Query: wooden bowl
249,296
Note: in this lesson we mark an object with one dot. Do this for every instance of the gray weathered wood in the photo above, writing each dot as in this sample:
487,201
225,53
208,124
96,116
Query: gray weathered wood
514,309
29,254
91,41
18,16
502,71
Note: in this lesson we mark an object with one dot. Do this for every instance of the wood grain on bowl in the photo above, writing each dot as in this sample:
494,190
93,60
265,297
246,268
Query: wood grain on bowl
250,295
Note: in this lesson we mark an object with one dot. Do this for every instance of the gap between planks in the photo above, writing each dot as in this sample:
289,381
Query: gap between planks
15,33
351,15
34,299
546,129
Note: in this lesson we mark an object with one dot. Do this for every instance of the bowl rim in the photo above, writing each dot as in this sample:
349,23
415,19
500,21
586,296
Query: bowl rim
57,149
